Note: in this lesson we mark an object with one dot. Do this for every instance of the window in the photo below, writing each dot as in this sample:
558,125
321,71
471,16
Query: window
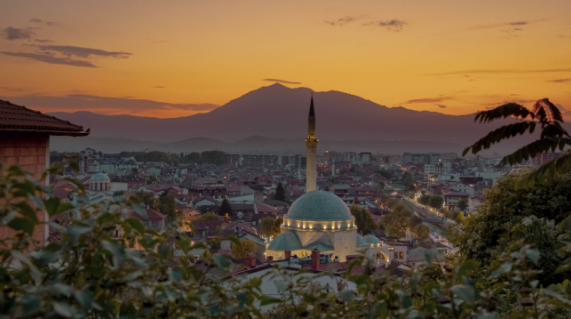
396,255
378,256
401,255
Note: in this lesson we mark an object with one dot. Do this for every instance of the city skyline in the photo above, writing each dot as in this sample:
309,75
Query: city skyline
182,58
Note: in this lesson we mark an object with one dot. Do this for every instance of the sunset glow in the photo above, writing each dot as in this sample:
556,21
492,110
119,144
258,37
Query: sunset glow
187,57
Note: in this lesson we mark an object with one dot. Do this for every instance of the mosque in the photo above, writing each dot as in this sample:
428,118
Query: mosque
320,220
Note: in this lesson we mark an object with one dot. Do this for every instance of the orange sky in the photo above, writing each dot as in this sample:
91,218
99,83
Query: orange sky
448,56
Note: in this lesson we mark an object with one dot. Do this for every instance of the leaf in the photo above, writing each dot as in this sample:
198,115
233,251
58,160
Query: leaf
504,268
135,223
132,276
269,301
464,292
51,205
221,261
31,305
534,255
430,254
175,275
64,310
497,135
466,267
347,295
27,211
24,224
140,210
64,207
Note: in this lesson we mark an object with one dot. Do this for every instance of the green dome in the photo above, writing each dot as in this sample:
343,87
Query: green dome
319,206
372,239
361,241
285,241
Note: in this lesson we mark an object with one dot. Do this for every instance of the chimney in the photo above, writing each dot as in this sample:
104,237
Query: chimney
250,260
270,259
315,259
287,254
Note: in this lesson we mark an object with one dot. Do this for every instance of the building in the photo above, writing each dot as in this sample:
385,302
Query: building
437,169
544,158
430,158
25,141
321,220
311,144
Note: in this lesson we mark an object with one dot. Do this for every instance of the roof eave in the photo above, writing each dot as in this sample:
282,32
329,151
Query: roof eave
47,132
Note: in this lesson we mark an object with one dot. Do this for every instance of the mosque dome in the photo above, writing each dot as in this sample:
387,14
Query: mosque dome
372,239
285,241
319,206
100,177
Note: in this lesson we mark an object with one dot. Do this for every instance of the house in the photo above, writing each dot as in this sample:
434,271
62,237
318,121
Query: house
452,198
25,141
154,219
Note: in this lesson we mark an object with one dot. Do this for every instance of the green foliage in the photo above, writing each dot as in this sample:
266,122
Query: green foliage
167,205
267,226
414,221
396,224
553,136
463,204
512,215
379,187
280,193
225,208
388,174
412,195
153,180
424,199
91,273
407,180
212,157
420,231
363,219
435,201
156,156
241,249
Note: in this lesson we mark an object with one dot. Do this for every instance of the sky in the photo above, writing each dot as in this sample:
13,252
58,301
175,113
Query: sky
178,58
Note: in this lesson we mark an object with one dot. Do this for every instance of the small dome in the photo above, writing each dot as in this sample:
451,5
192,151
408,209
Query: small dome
319,206
372,239
285,241
361,241
100,177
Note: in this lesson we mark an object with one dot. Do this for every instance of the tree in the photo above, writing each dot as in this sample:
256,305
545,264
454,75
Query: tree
280,193
147,199
193,157
245,247
412,195
212,157
153,180
414,221
277,226
267,226
407,180
363,219
225,208
379,187
511,216
209,216
403,209
421,231
385,173
135,170
553,136
395,224
167,206
424,199
463,204
435,201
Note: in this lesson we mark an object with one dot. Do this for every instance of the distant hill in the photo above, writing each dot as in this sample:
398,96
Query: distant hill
275,116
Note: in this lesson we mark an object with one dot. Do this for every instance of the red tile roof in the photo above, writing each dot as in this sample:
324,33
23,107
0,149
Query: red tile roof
18,118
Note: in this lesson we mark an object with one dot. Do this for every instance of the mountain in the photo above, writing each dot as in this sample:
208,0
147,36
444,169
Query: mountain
256,144
278,112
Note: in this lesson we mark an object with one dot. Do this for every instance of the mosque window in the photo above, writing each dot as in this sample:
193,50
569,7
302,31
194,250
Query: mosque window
378,256
401,255
396,255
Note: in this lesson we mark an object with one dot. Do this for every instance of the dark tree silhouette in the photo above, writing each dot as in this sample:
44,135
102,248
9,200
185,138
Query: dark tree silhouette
225,208
280,193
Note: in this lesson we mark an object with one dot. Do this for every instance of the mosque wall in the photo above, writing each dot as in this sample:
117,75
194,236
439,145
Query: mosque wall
345,243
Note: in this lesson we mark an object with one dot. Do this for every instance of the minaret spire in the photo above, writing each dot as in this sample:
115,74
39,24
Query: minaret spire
311,157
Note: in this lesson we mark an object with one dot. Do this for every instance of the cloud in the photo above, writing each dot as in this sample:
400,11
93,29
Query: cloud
7,89
497,25
281,81
158,87
81,52
505,71
341,21
108,105
17,34
560,80
391,25
429,100
43,40
48,23
51,59
441,106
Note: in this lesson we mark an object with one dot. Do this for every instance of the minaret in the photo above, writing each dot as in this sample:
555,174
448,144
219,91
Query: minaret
311,143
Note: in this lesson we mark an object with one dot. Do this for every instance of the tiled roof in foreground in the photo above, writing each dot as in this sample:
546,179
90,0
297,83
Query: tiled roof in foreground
21,119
